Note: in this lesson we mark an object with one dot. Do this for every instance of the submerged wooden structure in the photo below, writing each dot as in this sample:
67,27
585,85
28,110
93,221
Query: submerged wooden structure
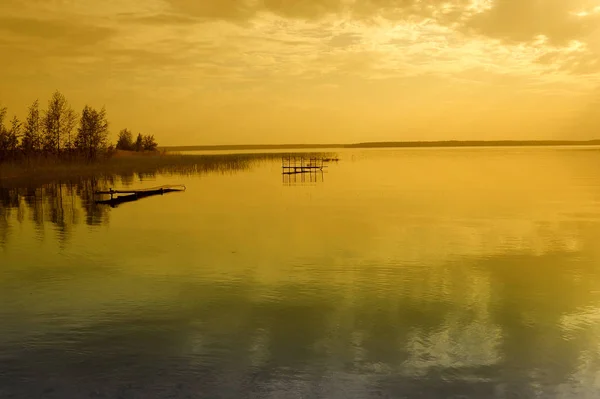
120,196
298,170
296,164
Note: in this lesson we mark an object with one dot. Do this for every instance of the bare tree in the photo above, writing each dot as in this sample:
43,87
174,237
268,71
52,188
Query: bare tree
58,124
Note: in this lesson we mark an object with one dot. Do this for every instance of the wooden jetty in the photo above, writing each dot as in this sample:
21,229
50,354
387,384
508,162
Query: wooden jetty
293,165
120,196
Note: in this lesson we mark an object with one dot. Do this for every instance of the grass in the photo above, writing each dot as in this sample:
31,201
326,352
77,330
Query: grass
125,163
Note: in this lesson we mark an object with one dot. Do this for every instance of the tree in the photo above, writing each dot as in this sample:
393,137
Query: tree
3,112
13,135
31,141
125,140
3,135
52,133
149,143
139,143
58,124
92,135
9,138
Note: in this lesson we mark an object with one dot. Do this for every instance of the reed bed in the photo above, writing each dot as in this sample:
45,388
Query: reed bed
122,164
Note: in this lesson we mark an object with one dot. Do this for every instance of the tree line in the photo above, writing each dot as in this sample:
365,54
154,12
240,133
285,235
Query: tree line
142,143
59,132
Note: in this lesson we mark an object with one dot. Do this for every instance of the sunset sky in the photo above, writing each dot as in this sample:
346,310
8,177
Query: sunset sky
311,71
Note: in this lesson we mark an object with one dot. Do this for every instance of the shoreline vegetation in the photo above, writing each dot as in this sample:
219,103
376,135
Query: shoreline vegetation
41,171
59,135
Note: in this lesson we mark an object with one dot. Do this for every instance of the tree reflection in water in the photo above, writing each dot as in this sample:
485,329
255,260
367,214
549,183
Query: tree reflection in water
68,202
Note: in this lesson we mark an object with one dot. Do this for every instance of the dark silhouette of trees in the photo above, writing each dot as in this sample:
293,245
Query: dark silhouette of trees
139,143
149,143
14,134
9,137
56,133
58,124
142,143
92,136
125,140
32,141
3,134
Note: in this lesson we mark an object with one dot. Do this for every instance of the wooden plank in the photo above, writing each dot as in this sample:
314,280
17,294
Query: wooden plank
153,190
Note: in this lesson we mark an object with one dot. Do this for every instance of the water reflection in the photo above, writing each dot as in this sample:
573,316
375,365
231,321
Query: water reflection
63,203
251,290
308,178
462,330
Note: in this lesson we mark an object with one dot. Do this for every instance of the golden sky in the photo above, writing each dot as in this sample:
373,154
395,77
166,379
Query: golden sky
321,71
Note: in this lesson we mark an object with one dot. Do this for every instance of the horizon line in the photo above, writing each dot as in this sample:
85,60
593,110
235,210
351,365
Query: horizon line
388,144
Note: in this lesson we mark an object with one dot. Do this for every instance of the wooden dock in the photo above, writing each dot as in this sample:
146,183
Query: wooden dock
293,165
121,196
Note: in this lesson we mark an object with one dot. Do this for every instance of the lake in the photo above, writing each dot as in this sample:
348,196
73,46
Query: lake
397,273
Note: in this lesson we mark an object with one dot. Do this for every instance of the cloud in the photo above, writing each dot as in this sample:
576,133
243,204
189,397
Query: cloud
284,38
345,40
523,20
65,32
512,21
316,9
441,10
306,9
579,63
160,19
236,10
242,10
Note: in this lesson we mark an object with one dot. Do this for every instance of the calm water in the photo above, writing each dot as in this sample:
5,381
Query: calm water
454,273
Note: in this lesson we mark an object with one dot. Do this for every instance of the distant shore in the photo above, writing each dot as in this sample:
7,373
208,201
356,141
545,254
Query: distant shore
476,143
390,144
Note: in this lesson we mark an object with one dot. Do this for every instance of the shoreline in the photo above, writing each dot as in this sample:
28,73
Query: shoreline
389,144
46,170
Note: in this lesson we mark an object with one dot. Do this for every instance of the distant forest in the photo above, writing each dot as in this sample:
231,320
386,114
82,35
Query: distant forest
473,143
387,144
58,132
